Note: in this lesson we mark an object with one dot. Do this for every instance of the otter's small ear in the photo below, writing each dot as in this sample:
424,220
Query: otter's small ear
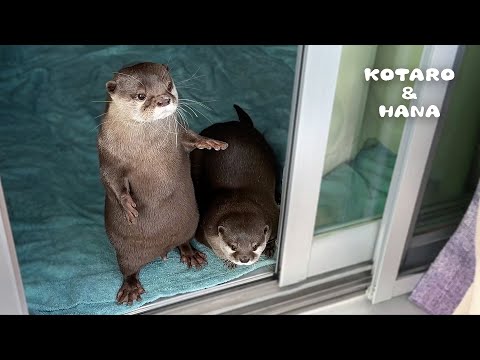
221,230
265,229
166,67
111,86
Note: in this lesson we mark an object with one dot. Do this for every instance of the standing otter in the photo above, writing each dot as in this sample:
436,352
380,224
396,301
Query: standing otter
235,190
150,203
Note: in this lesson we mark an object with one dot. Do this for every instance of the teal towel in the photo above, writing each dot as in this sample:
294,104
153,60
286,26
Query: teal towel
82,277
49,163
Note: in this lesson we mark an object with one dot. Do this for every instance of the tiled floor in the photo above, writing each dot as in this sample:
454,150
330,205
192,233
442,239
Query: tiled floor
360,305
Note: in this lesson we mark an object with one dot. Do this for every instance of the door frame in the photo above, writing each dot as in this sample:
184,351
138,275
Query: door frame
416,152
13,299
311,112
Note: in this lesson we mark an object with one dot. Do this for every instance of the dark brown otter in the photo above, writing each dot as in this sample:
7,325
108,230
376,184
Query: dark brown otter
150,205
235,190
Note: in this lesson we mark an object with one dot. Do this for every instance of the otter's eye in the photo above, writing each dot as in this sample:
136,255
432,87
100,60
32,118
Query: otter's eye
233,247
169,86
254,247
141,97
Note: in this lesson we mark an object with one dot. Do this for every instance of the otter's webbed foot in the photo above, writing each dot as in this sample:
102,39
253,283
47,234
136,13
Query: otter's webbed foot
229,264
130,291
192,140
191,256
207,143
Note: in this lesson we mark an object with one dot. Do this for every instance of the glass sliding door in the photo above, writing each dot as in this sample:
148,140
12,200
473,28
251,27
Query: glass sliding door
360,156
455,168
50,171
349,175
417,143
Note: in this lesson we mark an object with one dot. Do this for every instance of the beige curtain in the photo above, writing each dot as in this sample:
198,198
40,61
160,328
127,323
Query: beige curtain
470,304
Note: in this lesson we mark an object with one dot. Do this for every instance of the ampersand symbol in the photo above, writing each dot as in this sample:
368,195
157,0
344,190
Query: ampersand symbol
408,93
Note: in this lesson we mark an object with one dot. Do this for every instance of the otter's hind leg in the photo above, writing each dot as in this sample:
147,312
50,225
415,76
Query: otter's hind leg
131,288
191,256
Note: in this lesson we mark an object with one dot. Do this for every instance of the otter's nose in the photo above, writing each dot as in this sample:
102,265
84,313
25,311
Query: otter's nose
163,101
244,259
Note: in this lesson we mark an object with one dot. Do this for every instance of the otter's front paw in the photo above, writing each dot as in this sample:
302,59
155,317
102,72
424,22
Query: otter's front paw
129,206
206,143
269,249
229,264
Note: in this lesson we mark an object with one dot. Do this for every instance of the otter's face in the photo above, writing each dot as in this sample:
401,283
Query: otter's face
242,243
144,92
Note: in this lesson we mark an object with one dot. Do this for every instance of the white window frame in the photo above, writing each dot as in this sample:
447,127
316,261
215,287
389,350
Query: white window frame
304,255
409,179
13,299
312,106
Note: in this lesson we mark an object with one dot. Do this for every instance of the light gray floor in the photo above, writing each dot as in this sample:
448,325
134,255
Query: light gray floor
360,305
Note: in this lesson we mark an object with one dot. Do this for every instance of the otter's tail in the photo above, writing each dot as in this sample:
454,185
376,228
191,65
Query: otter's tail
243,116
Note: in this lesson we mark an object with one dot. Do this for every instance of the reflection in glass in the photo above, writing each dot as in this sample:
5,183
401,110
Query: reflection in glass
455,169
362,146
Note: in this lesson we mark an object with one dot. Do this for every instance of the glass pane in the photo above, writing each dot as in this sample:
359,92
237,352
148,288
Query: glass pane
455,168
362,146
51,104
